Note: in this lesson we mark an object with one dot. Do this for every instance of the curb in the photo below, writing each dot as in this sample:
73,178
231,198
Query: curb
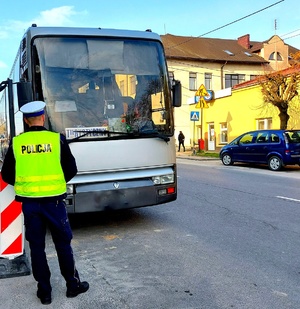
190,156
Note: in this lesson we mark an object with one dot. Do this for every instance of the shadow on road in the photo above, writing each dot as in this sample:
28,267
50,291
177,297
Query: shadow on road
108,219
287,168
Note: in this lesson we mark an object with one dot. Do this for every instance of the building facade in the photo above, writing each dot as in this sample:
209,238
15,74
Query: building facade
219,65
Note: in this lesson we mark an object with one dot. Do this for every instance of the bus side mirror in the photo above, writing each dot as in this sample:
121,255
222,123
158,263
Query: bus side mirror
176,90
24,93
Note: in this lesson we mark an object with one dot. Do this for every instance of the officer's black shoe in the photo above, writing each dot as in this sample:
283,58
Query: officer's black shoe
82,288
45,298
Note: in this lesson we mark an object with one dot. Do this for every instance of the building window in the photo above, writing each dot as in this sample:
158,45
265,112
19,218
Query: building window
228,52
275,56
223,133
252,77
263,124
132,85
207,80
233,79
193,81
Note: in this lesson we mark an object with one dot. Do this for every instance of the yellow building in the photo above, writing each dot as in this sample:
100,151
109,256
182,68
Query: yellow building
237,111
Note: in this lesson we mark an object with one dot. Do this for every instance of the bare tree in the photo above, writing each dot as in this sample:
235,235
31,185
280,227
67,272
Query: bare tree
279,88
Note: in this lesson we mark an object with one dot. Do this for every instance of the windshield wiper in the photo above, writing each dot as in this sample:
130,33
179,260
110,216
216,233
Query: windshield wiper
153,133
85,133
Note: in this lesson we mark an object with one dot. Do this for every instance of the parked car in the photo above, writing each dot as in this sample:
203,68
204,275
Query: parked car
276,148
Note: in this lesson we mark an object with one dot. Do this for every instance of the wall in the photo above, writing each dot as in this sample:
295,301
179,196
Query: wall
240,111
276,44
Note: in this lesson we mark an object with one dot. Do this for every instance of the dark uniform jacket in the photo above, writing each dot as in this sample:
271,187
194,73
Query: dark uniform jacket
67,161
181,137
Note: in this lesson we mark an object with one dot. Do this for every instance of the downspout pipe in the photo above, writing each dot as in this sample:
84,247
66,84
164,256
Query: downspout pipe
222,75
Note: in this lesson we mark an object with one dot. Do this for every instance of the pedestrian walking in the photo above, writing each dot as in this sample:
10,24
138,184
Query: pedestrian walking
181,138
38,164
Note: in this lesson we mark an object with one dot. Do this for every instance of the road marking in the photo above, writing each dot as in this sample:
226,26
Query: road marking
288,198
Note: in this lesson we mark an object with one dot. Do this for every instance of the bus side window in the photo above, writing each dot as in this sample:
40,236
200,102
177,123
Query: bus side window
37,76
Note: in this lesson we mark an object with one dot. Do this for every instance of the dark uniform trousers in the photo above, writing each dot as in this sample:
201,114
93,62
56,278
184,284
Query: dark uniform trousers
37,217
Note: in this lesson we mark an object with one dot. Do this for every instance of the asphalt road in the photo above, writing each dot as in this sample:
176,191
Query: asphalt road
231,240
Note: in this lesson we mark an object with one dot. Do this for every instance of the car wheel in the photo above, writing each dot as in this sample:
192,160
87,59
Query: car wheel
226,159
275,163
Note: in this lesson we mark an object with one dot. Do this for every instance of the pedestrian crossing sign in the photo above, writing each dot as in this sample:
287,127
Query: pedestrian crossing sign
194,116
201,103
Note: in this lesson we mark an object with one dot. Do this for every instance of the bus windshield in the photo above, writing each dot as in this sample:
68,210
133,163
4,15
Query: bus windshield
102,84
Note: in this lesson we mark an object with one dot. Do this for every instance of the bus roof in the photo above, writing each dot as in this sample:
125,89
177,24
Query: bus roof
73,31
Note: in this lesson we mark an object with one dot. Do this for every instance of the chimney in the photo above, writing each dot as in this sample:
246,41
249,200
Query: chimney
244,41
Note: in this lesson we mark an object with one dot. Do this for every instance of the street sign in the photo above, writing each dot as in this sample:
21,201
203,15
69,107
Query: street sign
201,103
210,95
194,116
201,92
200,96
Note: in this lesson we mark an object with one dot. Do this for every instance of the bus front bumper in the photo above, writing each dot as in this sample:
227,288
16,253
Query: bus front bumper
94,197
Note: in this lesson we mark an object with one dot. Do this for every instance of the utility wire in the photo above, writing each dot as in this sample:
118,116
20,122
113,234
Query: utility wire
290,33
235,21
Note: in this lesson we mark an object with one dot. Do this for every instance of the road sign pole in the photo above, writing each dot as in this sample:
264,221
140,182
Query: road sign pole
194,135
201,126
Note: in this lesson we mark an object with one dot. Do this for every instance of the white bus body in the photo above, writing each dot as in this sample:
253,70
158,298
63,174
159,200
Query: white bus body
109,92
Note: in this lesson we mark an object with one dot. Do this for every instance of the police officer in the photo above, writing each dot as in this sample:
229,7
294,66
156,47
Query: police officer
39,163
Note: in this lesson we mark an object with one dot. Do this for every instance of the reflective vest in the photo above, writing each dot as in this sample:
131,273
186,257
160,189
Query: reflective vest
38,169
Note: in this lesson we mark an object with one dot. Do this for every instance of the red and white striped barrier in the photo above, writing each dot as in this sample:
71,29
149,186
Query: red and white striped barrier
11,223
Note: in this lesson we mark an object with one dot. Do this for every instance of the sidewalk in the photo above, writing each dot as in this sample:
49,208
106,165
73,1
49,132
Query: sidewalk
188,154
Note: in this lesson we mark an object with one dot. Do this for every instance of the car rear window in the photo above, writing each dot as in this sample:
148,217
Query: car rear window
293,136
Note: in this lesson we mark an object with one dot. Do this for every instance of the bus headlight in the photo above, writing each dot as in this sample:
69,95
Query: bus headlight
70,189
163,179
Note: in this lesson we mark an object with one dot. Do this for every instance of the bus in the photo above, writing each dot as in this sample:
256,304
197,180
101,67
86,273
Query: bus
110,93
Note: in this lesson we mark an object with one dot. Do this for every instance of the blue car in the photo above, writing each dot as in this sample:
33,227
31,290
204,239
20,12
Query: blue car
276,148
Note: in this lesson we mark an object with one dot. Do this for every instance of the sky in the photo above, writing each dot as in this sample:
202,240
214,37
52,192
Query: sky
212,19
